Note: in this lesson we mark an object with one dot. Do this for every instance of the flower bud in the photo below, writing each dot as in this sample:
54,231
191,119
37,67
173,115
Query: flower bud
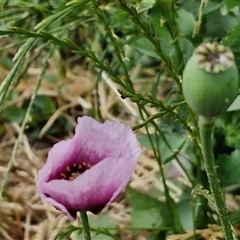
210,79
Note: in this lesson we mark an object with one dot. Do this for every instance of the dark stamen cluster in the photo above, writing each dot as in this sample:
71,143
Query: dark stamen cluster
76,169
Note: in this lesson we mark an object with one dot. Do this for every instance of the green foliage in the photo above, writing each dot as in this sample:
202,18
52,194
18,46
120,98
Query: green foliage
230,4
229,171
232,39
170,144
68,232
146,216
13,114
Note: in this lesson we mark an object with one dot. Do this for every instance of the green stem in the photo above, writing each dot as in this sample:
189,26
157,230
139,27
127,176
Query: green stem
205,127
171,205
85,225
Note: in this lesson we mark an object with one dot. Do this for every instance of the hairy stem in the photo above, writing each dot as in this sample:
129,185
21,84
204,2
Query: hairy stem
85,225
205,127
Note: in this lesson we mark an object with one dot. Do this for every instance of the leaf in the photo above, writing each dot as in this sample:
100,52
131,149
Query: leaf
229,169
45,104
185,213
212,6
176,142
13,114
20,55
58,4
138,200
186,22
235,217
102,220
146,211
232,39
192,209
102,227
145,5
148,218
145,47
160,30
235,105
218,25
100,234
165,25
68,232
54,17
191,7
231,4
120,19
231,131
186,48
165,9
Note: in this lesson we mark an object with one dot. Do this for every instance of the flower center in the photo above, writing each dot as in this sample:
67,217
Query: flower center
213,57
75,170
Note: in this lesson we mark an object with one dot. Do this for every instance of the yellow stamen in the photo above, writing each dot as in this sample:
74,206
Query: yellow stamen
73,175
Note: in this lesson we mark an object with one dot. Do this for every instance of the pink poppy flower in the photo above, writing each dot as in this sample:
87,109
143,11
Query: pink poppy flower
90,170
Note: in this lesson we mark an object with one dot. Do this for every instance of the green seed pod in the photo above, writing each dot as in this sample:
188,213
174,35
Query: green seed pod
210,79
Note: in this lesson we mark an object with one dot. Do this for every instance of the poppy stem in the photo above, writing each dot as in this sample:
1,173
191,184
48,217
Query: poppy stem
85,225
205,127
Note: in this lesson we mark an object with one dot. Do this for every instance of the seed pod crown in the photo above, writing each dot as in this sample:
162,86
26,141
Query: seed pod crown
210,79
